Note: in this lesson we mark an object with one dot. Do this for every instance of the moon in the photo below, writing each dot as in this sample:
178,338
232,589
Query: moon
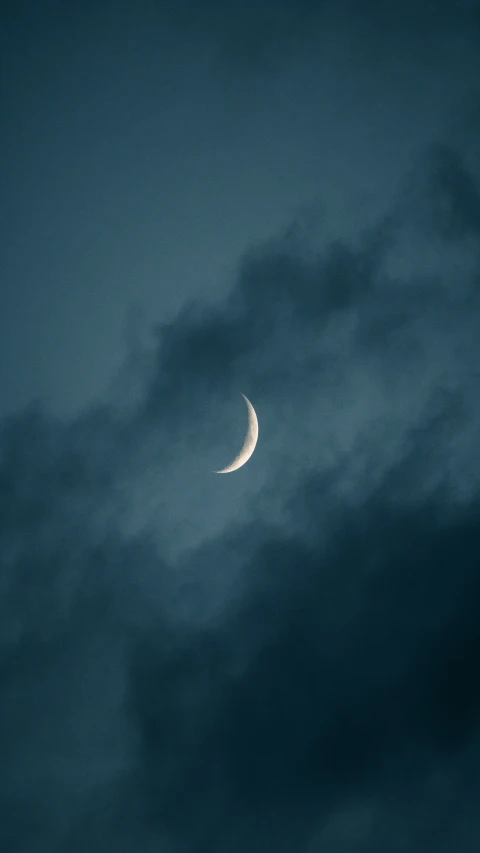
249,444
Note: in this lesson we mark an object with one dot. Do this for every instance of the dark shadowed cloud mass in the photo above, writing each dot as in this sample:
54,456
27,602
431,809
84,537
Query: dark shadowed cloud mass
284,659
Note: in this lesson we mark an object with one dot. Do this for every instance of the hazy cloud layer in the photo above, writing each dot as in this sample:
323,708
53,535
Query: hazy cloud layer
264,35
299,673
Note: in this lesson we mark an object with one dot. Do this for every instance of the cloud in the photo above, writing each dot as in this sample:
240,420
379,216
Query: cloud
288,659
343,339
457,197
263,36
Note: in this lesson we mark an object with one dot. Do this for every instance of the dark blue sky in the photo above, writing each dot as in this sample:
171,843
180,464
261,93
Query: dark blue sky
202,199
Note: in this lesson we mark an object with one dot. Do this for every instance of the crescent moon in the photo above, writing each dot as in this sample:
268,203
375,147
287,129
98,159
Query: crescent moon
249,444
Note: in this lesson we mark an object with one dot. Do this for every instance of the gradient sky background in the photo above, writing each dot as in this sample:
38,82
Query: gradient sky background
202,198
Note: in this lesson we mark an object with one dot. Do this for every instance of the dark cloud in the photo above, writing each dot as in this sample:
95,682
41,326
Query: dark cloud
456,196
265,35
304,316
303,676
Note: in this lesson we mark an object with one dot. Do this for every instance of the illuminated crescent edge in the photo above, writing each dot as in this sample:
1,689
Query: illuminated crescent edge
248,445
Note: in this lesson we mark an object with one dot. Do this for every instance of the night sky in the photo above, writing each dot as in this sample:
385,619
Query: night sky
199,199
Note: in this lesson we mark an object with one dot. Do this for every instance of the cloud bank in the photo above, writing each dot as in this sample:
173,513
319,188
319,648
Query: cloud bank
286,659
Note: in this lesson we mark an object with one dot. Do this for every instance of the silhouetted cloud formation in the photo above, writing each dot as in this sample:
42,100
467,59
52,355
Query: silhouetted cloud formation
305,677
